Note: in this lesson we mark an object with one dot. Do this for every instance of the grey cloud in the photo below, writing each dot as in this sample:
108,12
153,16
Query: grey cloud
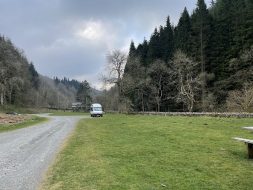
37,26
68,59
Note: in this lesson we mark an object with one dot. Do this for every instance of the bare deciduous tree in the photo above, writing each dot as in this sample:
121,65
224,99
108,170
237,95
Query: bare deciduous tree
3,82
14,83
241,100
159,78
189,82
116,63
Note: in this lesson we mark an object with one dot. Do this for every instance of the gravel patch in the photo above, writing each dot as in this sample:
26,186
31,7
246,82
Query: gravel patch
25,154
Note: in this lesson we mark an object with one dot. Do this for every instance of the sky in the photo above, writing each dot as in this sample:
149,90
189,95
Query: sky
71,38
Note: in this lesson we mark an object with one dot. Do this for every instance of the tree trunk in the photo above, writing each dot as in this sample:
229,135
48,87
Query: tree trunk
10,98
142,102
203,82
158,106
191,106
119,94
2,98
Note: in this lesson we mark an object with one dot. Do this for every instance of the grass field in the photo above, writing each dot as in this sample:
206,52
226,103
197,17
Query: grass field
68,113
22,110
32,121
152,152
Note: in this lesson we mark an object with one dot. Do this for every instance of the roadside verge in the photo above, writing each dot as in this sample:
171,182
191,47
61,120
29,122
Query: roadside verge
9,123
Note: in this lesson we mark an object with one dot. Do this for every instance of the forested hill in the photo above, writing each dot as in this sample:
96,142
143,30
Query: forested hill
197,64
17,75
22,85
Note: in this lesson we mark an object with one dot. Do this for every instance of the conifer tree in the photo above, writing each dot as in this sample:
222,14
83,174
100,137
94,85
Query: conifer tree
131,55
248,24
216,37
166,41
222,38
34,76
154,49
144,53
201,34
183,33
132,49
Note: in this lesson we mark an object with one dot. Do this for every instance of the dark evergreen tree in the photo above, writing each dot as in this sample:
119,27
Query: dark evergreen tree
154,48
222,38
219,38
132,49
34,76
183,33
201,36
142,53
166,41
84,94
132,54
68,83
201,26
248,24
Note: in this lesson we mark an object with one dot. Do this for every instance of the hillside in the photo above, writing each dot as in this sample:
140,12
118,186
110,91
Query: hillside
196,65
21,85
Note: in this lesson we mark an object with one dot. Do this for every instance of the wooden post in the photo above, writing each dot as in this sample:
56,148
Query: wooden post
250,150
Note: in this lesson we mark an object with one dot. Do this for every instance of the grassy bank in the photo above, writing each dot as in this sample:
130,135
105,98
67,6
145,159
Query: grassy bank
68,113
29,122
22,110
154,152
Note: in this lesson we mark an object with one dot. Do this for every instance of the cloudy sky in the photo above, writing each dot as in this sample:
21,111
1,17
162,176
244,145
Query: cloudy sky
72,37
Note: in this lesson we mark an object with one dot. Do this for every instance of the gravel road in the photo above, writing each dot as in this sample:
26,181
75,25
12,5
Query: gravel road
25,154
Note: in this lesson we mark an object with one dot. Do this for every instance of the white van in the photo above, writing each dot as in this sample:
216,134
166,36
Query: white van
96,110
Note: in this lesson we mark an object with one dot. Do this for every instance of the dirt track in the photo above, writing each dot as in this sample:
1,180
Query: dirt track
25,154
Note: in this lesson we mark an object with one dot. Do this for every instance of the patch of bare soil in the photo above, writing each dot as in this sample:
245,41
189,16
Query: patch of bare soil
7,119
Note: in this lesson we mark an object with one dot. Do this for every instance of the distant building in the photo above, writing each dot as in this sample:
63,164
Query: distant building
77,106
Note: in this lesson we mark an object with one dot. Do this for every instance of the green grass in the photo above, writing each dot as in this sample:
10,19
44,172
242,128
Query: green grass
152,152
22,110
34,120
68,113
